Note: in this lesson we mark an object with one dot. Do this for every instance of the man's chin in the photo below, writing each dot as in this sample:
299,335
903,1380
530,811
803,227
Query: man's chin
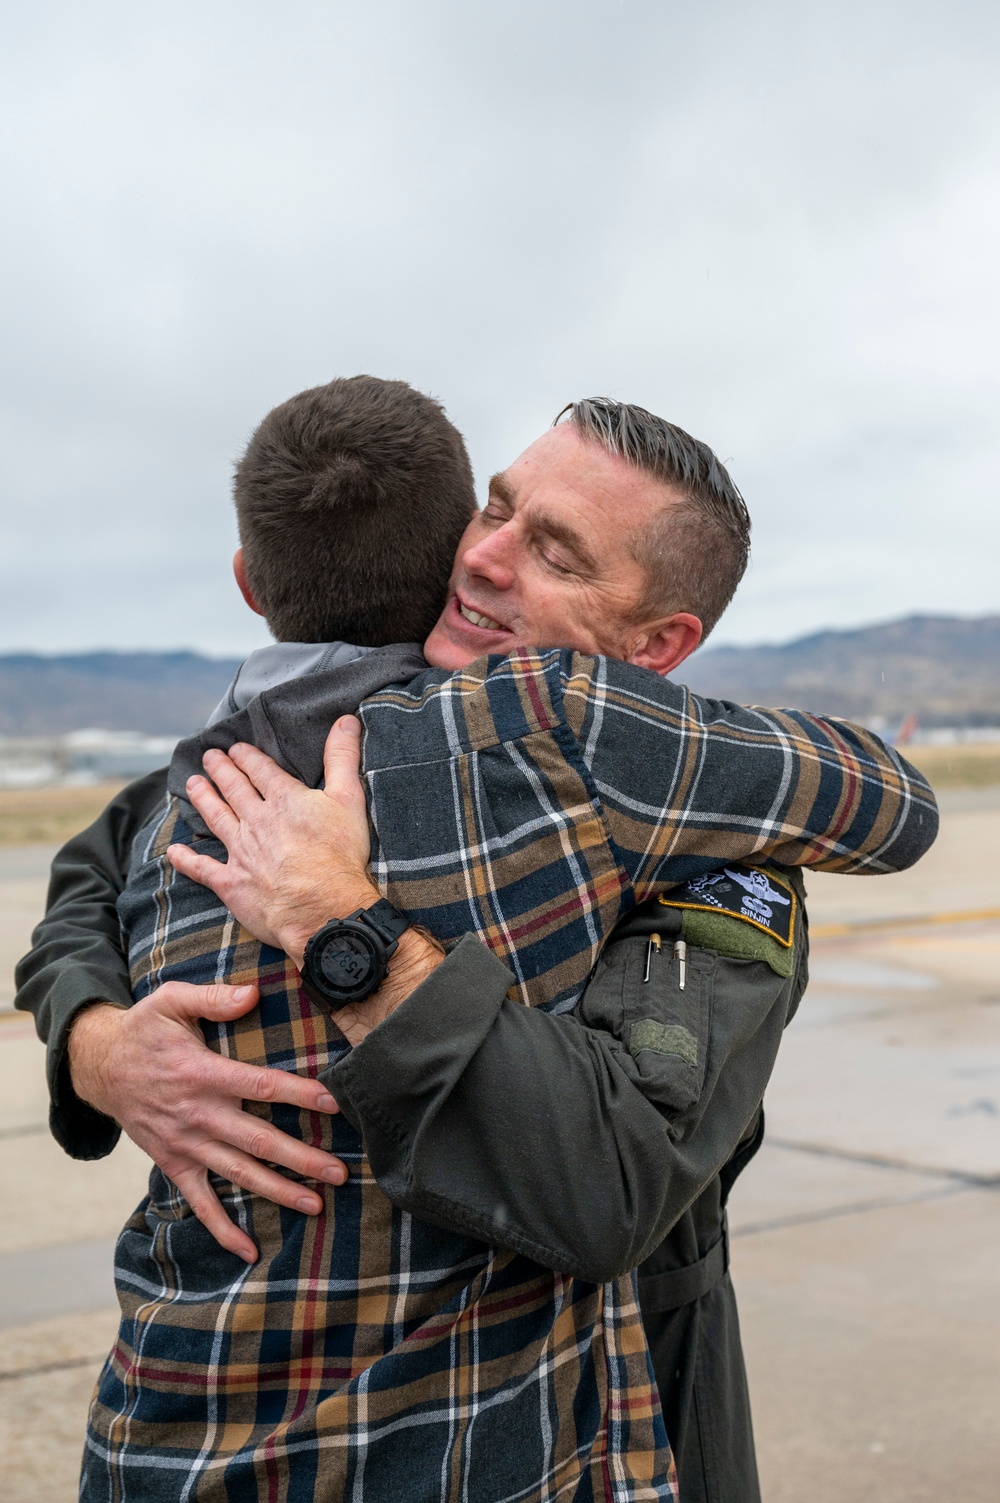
441,651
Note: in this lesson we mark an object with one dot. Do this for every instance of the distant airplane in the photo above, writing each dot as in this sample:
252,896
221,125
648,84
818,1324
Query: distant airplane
904,735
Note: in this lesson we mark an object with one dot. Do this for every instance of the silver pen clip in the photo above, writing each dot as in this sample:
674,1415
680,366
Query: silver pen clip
654,943
680,954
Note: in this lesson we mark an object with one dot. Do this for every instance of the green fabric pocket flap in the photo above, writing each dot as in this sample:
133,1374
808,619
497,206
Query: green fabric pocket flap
740,941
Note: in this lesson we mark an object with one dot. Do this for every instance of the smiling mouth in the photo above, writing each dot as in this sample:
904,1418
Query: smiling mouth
476,618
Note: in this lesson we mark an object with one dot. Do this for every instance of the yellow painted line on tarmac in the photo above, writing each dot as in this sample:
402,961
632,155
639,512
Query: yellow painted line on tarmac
908,921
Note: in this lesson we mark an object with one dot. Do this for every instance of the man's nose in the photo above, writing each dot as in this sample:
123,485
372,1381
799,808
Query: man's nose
494,558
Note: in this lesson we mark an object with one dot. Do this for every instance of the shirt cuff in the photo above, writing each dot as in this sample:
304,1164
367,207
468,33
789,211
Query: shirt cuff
417,1054
78,1128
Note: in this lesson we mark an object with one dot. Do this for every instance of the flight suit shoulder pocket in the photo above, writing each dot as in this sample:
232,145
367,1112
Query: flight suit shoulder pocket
662,1016
668,1016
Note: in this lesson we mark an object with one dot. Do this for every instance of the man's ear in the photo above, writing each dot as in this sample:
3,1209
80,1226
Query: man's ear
239,569
663,645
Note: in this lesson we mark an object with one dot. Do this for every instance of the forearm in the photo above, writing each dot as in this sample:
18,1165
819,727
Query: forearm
869,812
535,1132
76,958
687,783
841,799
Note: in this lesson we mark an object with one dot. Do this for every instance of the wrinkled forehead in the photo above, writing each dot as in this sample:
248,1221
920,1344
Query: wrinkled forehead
569,474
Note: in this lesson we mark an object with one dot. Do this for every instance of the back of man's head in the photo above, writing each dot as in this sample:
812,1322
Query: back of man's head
351,499
697,549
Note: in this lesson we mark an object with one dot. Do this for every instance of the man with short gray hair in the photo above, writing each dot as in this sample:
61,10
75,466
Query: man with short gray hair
696,551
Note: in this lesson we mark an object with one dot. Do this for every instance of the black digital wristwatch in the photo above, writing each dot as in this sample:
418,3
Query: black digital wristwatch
348,958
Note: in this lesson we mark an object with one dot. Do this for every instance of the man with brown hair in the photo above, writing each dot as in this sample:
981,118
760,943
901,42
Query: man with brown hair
633,785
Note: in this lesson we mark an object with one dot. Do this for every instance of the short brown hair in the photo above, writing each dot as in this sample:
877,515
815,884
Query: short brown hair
351,499
698,548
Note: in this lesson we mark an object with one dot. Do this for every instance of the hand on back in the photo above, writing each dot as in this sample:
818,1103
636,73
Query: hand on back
149,1068
297,856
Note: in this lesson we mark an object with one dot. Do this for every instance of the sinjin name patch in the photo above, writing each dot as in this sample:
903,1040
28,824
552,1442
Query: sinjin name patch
751,893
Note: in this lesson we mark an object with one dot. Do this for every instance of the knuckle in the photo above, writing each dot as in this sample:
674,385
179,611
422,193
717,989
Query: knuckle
238,1174
258,1145
266,1086
203,1072
182,1173
311,1164
194,1114
170,994
215,1220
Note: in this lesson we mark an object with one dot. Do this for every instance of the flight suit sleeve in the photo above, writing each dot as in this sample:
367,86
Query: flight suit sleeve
76,956
579,1139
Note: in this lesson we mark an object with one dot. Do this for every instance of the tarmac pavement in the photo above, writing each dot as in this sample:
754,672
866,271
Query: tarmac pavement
864,1235
24,872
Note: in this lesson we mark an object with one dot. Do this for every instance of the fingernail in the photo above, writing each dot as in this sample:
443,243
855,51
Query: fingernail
348,726
325,1104
242,993
310,1206
249,1257
334,1175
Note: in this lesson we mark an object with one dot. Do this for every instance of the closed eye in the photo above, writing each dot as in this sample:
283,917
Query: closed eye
556,563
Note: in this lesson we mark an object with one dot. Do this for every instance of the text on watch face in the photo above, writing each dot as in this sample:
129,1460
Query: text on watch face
346,962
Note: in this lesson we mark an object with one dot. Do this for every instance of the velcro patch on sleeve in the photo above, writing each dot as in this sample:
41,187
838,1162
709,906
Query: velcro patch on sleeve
754,894
663,1038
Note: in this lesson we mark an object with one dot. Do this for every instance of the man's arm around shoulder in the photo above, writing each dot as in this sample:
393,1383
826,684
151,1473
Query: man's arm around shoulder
682,778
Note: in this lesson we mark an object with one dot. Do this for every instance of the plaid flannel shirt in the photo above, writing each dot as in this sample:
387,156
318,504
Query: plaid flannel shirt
369,1355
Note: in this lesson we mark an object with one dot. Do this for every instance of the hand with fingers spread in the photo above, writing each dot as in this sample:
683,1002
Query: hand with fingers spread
149,1068
298,856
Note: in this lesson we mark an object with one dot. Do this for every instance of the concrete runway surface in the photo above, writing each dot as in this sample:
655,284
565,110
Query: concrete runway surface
865,1234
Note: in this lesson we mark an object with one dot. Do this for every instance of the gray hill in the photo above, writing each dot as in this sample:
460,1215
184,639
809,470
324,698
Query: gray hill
157,693
941,668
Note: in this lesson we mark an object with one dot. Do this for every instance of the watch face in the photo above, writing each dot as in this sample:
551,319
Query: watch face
347,962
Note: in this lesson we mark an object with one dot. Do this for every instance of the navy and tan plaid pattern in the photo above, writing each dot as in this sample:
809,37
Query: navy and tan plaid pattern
369,1355
549,793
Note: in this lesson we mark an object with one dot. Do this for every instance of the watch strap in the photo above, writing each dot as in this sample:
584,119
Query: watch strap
385,919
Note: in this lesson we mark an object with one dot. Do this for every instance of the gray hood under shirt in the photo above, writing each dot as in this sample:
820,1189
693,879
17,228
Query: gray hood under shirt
277,664
285,698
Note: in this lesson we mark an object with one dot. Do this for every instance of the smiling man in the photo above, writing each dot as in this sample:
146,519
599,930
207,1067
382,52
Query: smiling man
569,540
532,799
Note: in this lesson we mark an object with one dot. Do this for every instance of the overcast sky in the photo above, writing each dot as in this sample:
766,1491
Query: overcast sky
776,224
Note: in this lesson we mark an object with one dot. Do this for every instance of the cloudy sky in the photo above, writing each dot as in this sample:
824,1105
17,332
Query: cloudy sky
776,224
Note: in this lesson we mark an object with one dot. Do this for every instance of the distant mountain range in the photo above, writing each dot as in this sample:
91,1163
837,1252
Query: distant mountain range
941,668
158,693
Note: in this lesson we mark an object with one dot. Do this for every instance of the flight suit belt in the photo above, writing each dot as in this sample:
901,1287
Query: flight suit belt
682,1286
